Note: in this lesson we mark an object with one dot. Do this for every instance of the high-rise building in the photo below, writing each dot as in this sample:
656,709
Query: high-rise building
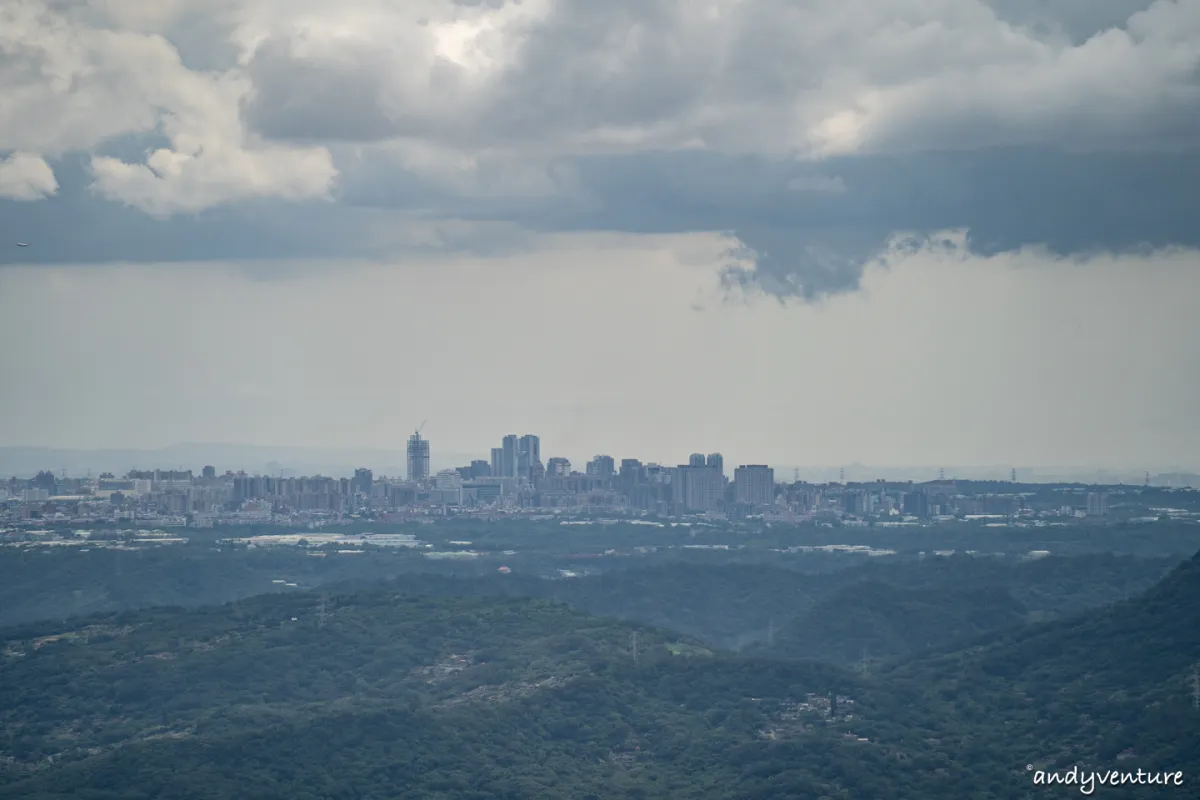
754,484
418,457
1097,504
480,469
716,461
508,465
697,460
497,462
917,504
208,473
602,467
632,473
360,483
558,467
697,488
529,456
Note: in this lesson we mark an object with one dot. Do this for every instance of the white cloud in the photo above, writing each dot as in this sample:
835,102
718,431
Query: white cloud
212,159
26,177
765,76
72,81
455,84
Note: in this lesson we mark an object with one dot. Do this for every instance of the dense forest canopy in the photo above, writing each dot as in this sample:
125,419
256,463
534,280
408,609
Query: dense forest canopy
392,694
205,671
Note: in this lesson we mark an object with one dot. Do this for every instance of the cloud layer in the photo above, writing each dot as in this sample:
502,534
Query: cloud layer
24,176
812,131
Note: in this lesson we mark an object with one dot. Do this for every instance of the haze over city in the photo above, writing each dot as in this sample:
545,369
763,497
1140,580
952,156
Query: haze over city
788,240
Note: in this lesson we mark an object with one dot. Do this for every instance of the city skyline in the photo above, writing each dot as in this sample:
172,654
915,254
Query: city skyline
699,487
296,462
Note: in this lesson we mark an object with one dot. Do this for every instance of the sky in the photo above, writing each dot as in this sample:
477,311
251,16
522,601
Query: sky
888,232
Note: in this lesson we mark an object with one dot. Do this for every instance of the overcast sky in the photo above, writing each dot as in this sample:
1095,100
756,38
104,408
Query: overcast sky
884,231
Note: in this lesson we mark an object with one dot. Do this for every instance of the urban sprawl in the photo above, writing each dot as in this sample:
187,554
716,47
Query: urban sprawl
515,481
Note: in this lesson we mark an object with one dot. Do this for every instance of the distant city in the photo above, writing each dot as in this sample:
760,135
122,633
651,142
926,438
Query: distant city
515,480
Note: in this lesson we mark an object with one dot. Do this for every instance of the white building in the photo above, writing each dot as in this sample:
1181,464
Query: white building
448,488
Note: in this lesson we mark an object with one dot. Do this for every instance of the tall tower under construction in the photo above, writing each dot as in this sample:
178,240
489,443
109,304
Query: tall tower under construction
418,457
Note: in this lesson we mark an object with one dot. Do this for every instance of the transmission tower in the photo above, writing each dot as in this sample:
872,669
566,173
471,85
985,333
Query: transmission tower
864,666
1013,475
321,614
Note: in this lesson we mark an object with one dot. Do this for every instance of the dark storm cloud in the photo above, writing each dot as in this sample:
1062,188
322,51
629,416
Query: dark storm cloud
813,227
299,100
1077,19
813,242
816,241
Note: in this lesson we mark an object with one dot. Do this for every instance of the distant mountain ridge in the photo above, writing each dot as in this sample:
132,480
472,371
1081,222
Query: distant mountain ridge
876,620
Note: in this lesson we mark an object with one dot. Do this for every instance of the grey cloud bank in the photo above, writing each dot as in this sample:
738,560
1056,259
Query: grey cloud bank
808,241
813,132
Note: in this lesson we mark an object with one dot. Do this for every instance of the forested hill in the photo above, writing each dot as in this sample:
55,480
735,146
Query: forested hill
383,695
378,695
728,605
1112,687
873,620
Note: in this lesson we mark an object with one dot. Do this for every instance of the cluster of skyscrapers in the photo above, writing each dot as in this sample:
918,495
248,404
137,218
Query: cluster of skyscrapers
517,466
514,477
517,457
698,487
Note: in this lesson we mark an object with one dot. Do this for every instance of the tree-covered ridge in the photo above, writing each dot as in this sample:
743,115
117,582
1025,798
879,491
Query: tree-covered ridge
383,694
873,620
1111,688
729,605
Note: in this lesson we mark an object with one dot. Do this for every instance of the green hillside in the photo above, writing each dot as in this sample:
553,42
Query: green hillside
875,620
383,696
729,605
390,695
1111,688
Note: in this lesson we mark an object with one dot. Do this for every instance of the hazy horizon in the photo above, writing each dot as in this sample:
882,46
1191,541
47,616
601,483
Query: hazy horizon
24,461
